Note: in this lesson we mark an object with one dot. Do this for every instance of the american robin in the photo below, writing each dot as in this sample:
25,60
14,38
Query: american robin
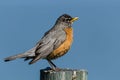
55,42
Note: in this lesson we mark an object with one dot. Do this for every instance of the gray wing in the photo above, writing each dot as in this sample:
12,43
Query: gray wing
48,43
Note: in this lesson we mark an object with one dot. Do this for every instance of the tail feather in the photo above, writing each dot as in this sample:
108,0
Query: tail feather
14,57
35,59
29,53
28,58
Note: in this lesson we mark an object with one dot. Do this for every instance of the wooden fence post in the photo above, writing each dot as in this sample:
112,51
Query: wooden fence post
66,74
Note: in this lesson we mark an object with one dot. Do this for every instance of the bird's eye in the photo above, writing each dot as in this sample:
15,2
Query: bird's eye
68,19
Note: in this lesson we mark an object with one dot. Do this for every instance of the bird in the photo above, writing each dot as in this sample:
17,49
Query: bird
55,43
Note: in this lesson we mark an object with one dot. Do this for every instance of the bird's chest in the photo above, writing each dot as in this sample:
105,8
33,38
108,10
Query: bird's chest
64,47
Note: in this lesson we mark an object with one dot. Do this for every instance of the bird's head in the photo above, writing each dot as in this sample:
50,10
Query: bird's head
66,19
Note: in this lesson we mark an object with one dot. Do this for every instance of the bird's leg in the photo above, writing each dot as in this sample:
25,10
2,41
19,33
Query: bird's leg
53,66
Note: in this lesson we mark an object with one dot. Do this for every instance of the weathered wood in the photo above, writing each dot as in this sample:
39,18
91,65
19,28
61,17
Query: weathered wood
65,74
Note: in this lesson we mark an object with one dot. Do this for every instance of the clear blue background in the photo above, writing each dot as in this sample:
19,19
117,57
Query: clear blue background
96,45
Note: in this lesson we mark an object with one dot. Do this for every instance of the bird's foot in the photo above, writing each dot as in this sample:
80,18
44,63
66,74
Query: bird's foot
56,69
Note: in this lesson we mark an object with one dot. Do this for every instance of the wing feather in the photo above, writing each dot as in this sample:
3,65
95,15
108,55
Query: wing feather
48,43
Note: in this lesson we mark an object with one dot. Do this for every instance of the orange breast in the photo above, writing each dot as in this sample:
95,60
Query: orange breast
65,46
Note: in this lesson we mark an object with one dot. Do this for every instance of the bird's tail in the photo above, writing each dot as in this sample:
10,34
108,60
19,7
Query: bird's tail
29,53
14,57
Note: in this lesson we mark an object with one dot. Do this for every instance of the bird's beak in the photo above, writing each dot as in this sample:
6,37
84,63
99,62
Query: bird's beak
74,19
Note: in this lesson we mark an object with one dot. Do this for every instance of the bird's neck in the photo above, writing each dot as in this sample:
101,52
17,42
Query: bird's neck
62,25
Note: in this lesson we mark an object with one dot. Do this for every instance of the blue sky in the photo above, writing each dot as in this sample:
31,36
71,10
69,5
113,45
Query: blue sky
96,45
